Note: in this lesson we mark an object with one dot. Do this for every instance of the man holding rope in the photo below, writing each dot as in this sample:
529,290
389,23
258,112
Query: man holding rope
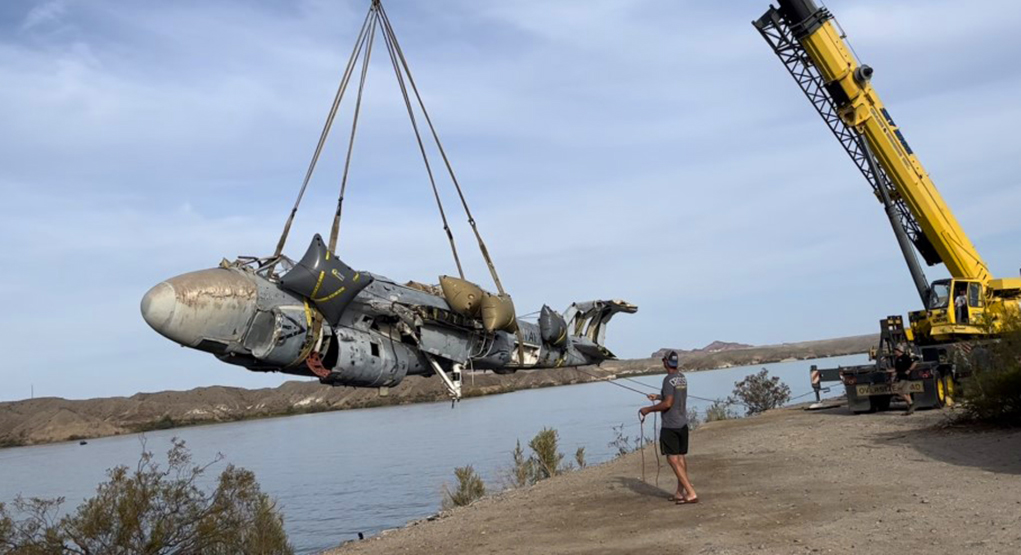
673,436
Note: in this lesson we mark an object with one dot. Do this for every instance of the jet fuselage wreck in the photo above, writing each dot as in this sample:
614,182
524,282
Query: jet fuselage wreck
318,317
247,314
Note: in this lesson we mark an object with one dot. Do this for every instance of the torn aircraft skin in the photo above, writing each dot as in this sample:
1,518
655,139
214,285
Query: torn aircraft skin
320,318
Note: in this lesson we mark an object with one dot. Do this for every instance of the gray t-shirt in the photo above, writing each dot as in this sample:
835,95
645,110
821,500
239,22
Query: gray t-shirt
677,385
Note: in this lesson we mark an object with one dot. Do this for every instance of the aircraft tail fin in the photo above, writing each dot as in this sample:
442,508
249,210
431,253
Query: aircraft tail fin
588,319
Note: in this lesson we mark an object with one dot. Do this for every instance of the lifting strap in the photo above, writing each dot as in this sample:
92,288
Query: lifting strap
439,145
398,54
325,133
393,49
378,19
369,39
396,49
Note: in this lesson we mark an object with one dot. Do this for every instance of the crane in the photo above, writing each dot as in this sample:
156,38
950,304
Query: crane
811,46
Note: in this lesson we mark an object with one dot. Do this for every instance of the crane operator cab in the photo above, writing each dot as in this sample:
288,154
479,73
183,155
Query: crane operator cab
956,310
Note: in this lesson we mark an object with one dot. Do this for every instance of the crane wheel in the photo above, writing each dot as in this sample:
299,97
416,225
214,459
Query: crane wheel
941,390
948,387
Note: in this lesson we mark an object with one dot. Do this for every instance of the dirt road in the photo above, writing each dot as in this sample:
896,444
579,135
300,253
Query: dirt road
785,482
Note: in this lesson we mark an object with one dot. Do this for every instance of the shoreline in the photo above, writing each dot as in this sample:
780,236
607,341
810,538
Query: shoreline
53,420
787,481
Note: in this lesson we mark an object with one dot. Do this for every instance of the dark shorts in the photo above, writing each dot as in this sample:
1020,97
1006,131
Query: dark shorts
673,441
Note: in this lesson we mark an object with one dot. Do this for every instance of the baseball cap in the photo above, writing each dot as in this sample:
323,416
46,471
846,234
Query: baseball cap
670,359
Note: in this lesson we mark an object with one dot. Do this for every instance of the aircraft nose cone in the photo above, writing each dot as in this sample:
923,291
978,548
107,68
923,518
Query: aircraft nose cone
158,307
206,310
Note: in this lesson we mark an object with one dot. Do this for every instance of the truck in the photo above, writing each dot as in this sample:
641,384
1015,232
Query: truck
958,314
869,387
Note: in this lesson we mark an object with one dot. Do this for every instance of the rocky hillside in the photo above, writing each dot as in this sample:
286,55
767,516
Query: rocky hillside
53,419
714,347
705,359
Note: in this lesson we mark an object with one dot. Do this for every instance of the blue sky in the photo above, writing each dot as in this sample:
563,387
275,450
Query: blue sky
650,151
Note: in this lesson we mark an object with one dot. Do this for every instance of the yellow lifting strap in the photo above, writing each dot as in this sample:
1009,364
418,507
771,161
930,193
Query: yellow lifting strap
362,52
398,55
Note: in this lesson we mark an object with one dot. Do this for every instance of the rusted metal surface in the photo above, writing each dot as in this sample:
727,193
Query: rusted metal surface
214,287
315,364
208,307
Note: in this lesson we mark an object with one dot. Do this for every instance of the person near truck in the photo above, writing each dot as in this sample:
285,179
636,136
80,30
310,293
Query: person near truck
673,435
903,365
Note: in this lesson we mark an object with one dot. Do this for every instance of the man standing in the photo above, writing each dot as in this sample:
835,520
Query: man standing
903,364
673,436
961,304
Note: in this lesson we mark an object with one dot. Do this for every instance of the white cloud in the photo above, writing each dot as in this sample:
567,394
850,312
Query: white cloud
44,13
657,153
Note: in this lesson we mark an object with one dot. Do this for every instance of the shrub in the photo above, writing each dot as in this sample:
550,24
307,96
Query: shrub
545,461
37,533
719,410
625,444
153,510
521,472
164,423
760,392
579,457
470,488
546,458
17,441
993,392
694,421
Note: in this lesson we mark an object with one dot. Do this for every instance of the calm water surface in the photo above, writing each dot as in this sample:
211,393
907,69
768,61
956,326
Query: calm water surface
336,474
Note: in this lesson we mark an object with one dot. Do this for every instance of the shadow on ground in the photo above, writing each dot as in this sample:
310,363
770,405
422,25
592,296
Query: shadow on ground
643,488
991,449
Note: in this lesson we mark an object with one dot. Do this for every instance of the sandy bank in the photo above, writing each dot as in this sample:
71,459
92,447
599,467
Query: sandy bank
786,482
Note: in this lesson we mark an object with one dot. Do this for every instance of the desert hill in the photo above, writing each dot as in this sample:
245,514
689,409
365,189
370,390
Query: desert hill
50,419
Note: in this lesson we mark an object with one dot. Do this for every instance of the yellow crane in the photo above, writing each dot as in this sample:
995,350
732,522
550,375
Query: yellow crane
971,304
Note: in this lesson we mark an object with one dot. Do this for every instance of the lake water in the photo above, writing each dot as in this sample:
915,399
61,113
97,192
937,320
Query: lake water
340,473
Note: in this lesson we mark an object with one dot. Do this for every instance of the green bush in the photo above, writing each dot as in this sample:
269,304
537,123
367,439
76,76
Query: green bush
164,423
992,393
579,457
521,472
470,488
17,441
544,462
153,510
546,458
760,392
719,410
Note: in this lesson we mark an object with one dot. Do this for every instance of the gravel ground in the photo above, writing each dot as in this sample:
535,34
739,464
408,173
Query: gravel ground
788,481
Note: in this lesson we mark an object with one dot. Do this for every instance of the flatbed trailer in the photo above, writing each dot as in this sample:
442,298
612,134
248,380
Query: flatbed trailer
869,387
